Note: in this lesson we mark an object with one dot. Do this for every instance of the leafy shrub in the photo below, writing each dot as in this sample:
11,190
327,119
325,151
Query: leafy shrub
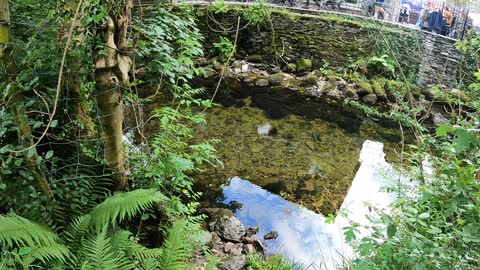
224,49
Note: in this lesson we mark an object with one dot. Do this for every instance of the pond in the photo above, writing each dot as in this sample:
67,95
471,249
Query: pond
304,236
296,153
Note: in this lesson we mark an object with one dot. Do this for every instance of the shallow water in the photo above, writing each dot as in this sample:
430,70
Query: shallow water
302,158
304,237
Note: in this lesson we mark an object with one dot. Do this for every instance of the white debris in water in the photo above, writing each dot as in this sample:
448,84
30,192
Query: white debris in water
264,129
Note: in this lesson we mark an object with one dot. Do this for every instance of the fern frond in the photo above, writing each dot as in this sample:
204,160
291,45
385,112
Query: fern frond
77,231
123,206
121,241
150,264
17,230
98,253
47,253
176,248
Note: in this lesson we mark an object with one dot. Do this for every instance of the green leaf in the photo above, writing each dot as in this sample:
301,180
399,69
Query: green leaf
49,154
391,230
54,123
424,215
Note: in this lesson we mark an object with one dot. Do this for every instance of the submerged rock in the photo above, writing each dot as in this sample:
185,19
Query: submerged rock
271,235
266,130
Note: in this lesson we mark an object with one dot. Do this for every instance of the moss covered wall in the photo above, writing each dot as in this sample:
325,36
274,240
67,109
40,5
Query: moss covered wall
335,39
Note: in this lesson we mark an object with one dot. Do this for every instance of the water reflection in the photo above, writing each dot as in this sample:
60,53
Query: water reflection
303,235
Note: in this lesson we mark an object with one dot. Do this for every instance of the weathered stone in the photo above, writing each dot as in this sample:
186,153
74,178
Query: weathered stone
261,82
335,94
234,263
364,88
228,228
245,68
370,99
309,80
252,230
438,119
283,79
303,65
271,235
255,242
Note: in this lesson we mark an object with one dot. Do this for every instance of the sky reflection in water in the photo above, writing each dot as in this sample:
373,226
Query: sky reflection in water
303,235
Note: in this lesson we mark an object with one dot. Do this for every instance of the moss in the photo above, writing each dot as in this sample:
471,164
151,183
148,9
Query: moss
290,67
303,65
378,89
364,88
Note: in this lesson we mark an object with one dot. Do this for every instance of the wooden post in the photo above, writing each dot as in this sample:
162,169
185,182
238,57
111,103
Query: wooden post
17,103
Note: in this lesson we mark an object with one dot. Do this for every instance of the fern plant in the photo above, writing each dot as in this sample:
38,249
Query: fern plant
95,240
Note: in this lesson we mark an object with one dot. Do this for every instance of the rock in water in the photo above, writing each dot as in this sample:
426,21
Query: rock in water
234,263
228,228
271,235
266,130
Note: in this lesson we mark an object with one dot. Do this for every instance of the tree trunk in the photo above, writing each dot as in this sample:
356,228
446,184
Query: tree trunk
77,104
111,78
17,102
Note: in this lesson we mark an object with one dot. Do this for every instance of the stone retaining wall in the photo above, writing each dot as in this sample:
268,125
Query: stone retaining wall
336,40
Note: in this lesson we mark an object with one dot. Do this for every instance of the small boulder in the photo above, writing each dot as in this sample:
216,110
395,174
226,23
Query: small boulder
229,228
370,99
234,263
283,79
261,82
335,94
255,58
438,119
350,93
271,235
303,65
364,88
309,80
252,231
379,90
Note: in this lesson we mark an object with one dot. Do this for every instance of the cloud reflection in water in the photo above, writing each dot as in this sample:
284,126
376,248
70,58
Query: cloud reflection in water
304,237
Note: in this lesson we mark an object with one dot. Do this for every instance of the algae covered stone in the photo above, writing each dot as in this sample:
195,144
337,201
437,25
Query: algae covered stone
303,65
370,99
379,90
364,88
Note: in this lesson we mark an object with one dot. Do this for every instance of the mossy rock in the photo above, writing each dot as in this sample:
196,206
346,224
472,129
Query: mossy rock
378,89
303,65
364,88
291,67
370,99
334,78
309,80
392,87
255,58
350,93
